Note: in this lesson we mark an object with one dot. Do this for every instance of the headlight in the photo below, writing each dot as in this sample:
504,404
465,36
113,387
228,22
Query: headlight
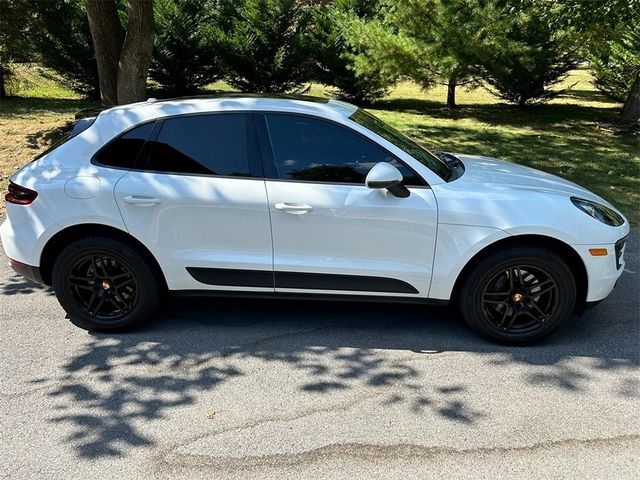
606,215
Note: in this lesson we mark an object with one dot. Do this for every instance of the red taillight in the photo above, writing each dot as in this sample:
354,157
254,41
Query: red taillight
20,195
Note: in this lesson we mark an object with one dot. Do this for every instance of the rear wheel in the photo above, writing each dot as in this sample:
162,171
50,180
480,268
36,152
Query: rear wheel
105,285
518,295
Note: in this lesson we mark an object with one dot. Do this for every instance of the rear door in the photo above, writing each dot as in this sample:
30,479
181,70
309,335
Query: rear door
198,202
332,234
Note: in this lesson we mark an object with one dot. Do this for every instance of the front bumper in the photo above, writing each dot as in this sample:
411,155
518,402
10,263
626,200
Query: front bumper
603,272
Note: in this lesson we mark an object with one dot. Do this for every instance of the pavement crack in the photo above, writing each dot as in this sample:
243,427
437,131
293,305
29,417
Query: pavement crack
391,452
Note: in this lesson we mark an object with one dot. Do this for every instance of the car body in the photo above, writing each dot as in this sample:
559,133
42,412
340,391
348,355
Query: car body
254,195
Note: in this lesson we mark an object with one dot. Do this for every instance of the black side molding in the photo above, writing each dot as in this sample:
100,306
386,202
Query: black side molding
231,277
329,281
303,280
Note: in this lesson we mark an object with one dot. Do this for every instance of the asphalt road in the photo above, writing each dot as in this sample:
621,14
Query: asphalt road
306,390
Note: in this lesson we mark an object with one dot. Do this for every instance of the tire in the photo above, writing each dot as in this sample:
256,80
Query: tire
541,295
105,284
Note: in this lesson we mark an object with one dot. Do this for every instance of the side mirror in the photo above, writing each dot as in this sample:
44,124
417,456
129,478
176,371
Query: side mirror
385,175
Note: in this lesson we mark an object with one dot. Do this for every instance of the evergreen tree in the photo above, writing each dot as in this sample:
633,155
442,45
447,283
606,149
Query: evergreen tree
185,54
616,67
334,55
523,56
598,27
265,44
429,41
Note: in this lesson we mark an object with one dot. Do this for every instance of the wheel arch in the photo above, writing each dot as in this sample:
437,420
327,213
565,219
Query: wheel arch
57,242
575,263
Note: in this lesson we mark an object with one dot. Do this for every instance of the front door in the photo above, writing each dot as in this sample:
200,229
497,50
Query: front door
332,234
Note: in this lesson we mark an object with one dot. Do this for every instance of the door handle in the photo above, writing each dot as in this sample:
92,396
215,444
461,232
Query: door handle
141,200
294,208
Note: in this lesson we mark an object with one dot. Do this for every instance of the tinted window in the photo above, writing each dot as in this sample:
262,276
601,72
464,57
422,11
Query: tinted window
315,150
123,151
219,144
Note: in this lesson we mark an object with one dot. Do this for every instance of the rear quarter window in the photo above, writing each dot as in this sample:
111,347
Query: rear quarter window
123,151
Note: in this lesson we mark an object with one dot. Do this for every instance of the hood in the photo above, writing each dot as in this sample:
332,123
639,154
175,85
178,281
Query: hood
500,175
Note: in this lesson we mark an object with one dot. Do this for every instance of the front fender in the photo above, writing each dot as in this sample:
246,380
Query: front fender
455,246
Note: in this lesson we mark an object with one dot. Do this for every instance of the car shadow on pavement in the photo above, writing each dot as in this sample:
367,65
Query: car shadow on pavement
116,384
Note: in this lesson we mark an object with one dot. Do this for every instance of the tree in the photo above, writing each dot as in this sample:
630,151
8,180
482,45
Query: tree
429,41
123,55
616,66
596,24
61,37
523,57
265,45
185,54
334,55
631,109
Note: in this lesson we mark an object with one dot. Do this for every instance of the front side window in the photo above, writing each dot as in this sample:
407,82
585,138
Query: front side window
310,149
124,150
217,144
403,142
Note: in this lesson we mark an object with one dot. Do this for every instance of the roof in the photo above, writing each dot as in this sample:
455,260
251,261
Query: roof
153,108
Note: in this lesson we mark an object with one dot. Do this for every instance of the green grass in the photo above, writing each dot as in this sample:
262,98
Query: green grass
565,137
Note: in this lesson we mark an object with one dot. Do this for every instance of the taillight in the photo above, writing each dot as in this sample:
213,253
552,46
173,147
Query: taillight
20,195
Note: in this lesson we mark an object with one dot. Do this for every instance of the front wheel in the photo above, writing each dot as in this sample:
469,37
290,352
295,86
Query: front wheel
518,295
105,284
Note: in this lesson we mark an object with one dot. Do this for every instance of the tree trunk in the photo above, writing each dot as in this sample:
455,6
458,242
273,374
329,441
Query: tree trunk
135,57
108,37
451,92
631,110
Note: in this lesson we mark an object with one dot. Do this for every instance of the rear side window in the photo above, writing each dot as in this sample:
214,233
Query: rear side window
124,150
310,149
219,144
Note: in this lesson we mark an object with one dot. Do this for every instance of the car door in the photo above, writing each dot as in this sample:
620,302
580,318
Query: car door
332,234
198,202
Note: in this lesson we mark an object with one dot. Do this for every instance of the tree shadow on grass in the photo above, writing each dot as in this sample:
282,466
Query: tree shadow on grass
32,105
117,384
545,115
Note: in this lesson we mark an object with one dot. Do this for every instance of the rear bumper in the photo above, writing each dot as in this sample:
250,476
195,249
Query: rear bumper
27,271
20,238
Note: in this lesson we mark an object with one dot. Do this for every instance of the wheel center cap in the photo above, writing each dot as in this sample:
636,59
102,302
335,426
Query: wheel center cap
106,285
517,297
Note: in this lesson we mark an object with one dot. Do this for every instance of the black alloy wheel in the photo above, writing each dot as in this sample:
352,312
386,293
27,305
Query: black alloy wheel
105,284
520,299
518,295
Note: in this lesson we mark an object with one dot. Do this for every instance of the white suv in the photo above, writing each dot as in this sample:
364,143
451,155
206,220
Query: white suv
285,197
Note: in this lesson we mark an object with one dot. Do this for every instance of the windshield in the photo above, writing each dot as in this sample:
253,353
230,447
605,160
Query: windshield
403,142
